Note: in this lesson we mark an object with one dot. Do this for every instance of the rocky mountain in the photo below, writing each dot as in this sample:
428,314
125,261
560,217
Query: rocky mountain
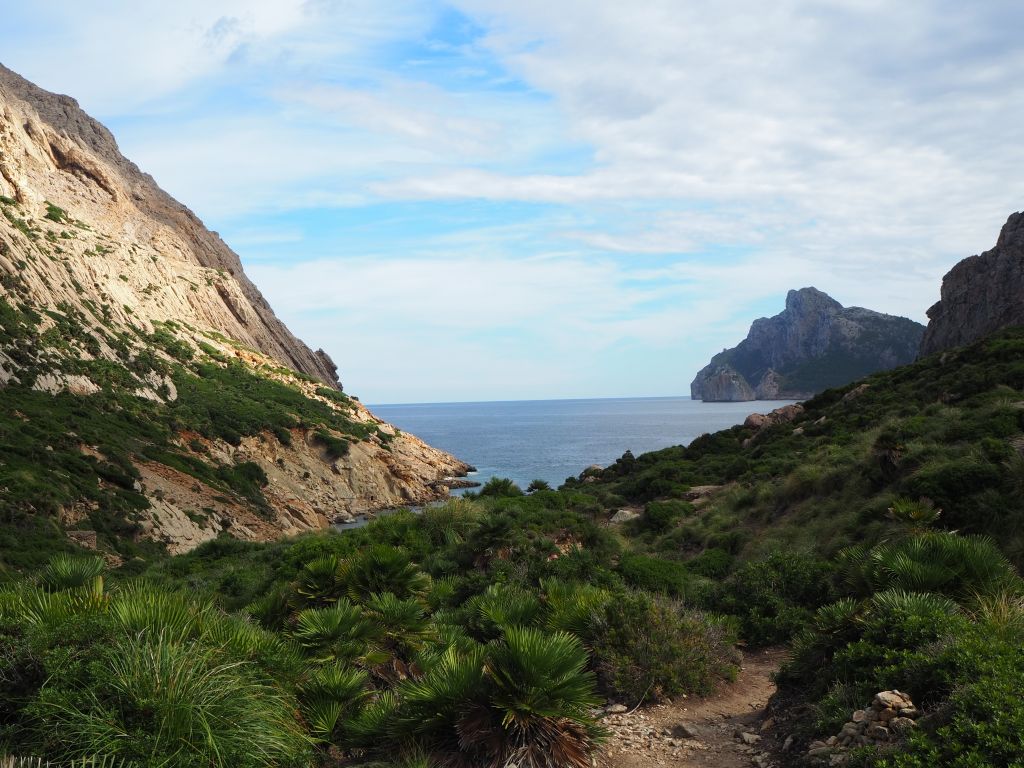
150,393
813,344
981,294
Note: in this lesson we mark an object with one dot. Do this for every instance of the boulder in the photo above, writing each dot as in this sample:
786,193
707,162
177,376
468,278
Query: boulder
624,516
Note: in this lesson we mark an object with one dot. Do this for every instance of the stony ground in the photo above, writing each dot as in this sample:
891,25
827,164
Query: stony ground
726,730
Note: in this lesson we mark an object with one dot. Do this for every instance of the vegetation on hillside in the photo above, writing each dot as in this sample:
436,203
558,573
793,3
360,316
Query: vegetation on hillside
878,535
63,450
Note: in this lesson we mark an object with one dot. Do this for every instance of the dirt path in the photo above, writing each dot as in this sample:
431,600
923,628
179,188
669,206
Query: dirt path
657,735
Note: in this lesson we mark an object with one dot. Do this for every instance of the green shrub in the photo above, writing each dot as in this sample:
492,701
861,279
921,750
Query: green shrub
500,486
335,447
660,515
775,597
655,574
648,648
713,563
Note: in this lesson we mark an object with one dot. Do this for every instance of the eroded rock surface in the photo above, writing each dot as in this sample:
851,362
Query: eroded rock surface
981,294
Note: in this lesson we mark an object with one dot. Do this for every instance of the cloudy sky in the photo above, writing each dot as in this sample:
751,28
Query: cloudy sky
512,199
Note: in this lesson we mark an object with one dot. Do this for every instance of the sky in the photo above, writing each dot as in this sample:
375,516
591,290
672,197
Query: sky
521,199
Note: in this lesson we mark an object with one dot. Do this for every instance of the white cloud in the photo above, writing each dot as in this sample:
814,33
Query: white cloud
693,161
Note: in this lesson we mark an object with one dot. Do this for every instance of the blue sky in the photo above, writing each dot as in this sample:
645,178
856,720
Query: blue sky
505,199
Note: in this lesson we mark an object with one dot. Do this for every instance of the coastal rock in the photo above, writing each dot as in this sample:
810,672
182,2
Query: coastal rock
52,151
771,386
725,384
786,413
119,272
981,294
813,344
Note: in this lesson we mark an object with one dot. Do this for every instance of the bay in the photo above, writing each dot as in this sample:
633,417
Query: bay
551,440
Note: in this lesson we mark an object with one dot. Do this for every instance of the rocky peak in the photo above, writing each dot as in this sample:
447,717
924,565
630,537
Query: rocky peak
813,344
981,294
810,301
1012,233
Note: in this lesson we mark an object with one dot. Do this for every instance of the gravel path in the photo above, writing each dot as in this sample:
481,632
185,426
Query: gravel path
725,730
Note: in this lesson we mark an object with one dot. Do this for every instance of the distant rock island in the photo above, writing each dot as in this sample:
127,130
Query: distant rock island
981,294
815,343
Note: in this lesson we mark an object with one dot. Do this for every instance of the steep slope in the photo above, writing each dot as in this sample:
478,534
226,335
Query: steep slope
158,258
814,344
149,391
981,294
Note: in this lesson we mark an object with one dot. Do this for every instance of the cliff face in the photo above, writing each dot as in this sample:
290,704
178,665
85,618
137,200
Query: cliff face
981,294
814,344
50,150
149,391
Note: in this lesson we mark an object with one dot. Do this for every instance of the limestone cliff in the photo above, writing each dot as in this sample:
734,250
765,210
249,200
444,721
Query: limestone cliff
724,384
149,390
981,294
813,344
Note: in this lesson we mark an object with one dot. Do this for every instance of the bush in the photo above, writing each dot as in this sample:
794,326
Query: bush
660,515
774,598
983,719
713,563
655,574
500,486
648,648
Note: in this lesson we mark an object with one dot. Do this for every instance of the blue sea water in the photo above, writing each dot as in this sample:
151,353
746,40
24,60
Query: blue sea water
554,439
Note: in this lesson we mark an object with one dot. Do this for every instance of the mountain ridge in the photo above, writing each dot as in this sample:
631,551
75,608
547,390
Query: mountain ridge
813,344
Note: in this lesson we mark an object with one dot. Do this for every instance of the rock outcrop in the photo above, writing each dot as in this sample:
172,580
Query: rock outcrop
814,344
981,294
115,293
726,384
890,717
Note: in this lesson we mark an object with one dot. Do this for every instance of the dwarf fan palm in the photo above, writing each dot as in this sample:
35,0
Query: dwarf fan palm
502,606
139,608
541,693
66,571
572,607
339,632
318,583
328,694
381,568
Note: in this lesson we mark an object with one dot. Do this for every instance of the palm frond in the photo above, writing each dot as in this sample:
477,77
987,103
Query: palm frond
67,571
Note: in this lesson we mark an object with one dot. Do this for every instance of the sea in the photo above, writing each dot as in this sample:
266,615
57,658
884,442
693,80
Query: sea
551,440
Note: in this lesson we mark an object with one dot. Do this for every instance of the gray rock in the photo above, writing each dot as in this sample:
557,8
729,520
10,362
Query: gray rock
724,384
615,709
750,739
624,516
877,732
901,724
684,730
981,294
849,342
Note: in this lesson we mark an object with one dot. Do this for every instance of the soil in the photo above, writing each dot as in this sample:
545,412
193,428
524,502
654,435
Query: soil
655,735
